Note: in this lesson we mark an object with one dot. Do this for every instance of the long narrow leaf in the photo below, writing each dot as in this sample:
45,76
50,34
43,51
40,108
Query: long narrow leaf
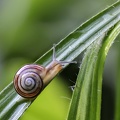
86,100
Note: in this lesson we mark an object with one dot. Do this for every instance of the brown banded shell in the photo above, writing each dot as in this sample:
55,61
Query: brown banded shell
28,81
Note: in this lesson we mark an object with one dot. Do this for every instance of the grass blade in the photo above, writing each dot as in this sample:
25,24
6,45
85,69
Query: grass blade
86,100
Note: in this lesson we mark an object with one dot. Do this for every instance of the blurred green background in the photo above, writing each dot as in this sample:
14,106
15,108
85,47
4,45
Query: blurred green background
28,28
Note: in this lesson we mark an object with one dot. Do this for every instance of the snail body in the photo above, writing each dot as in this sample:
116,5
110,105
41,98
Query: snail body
31,79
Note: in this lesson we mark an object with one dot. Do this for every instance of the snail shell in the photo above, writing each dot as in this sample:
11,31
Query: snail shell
28,81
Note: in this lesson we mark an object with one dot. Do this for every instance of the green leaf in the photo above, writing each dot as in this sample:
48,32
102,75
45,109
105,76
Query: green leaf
11,104
86,100
67,49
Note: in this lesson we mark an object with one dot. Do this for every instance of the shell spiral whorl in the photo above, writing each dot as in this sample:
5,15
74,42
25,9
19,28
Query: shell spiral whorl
28,82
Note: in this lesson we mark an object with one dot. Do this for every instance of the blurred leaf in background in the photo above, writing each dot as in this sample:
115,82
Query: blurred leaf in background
27,25
52,104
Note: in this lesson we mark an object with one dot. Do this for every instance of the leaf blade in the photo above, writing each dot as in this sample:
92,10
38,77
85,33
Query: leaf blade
90,85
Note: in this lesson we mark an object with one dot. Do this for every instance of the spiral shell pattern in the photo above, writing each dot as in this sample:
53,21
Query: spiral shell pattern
28,82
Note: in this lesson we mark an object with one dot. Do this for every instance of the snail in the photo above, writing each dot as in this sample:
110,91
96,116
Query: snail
31,79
